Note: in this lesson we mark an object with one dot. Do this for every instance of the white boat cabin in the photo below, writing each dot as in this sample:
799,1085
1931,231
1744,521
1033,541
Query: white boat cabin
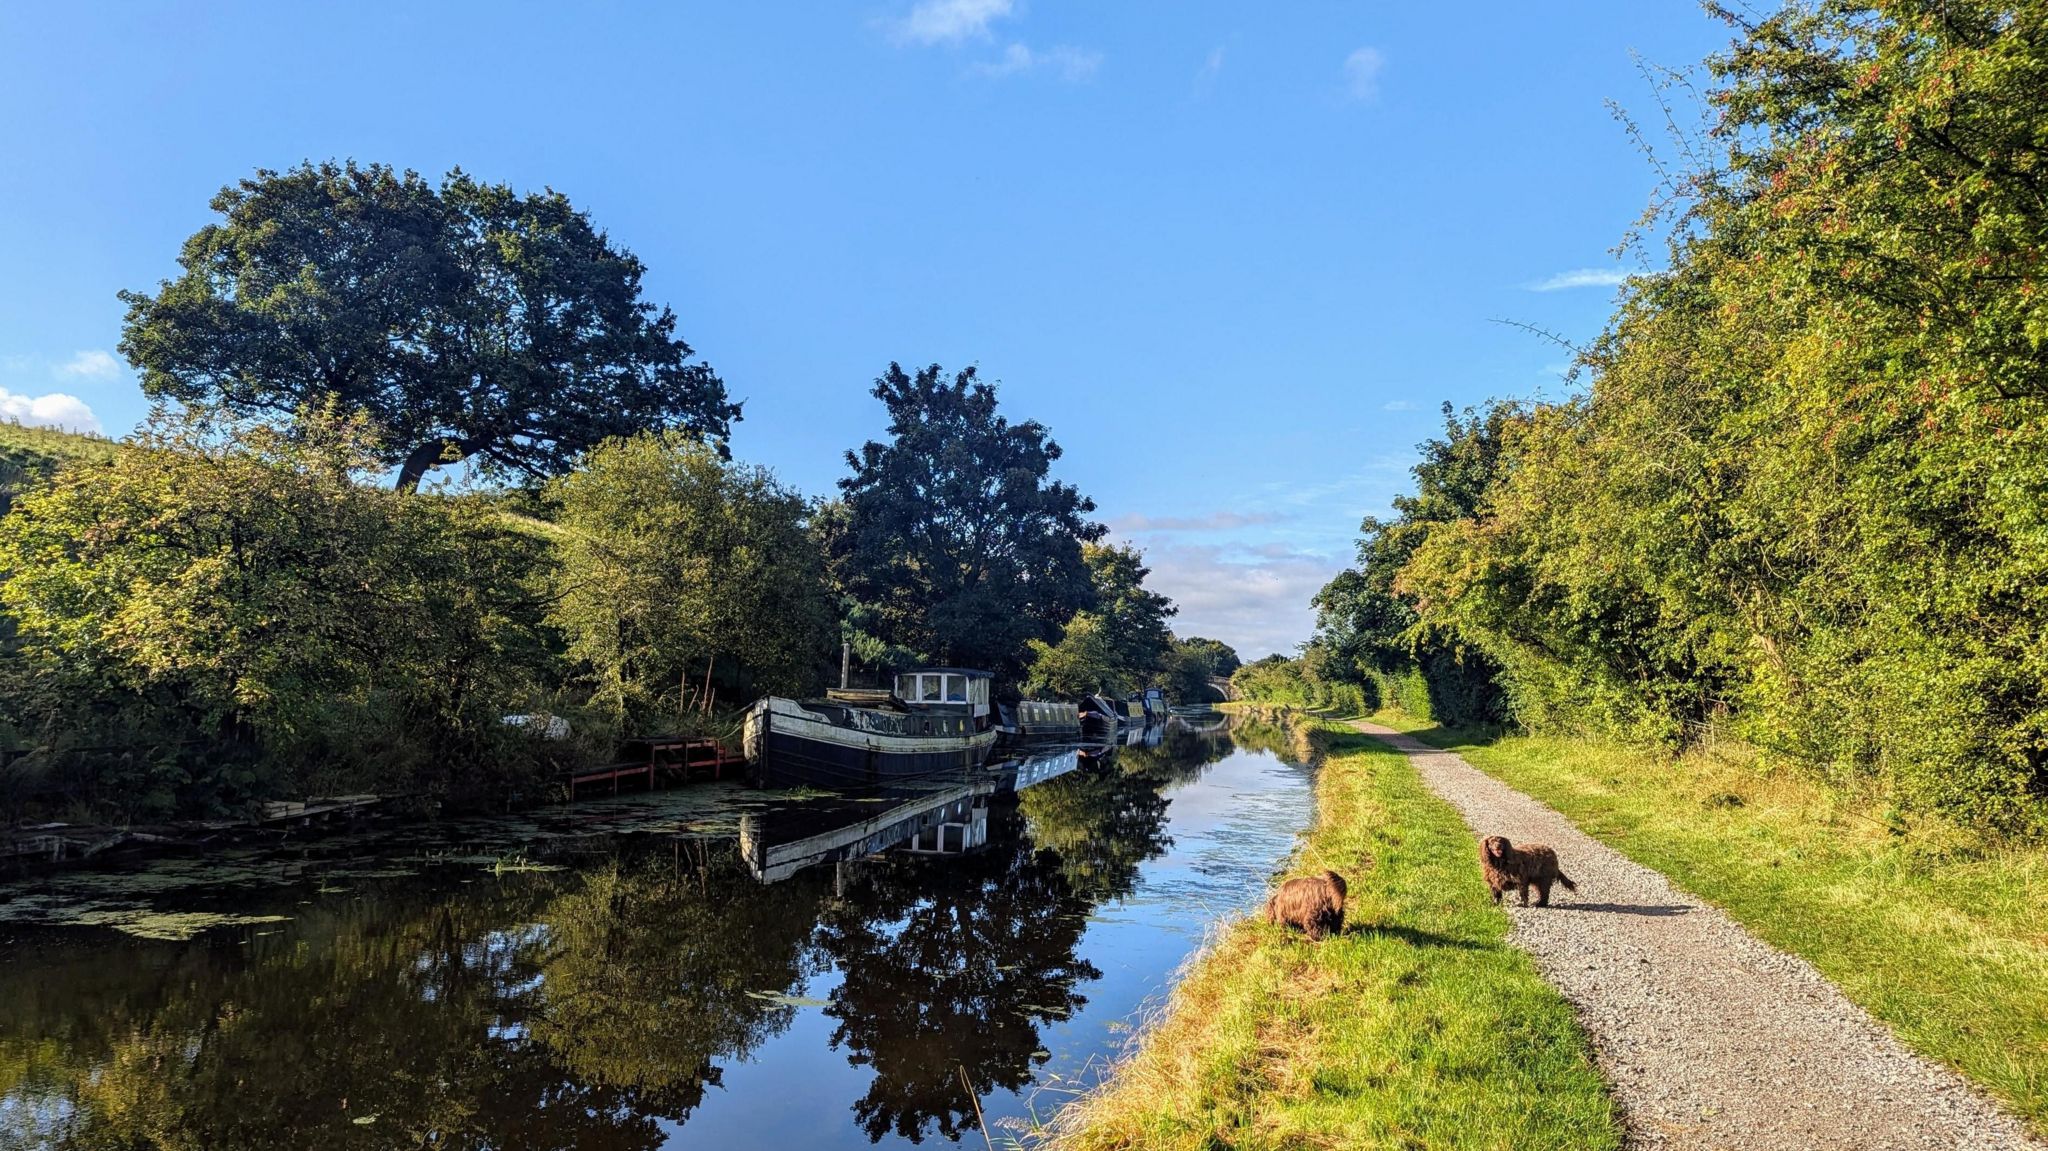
945,687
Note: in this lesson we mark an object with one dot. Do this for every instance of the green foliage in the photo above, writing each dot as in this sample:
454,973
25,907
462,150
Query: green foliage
1299,683
1134,616
1217,658
471,322
1801,498
1118,646
1368,632
1274,679
198,617
675,563
1083,662
955,541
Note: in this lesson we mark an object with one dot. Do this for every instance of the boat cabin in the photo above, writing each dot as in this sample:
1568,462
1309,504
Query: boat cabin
946,689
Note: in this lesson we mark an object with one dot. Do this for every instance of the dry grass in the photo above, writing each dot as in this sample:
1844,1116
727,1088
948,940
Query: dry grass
1416,1028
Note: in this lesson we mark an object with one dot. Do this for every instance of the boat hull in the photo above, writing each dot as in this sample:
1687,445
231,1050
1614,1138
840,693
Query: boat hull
791,744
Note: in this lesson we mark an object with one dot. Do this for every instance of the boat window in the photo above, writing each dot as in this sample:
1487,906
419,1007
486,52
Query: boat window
931,689
978,691
906,687
956,689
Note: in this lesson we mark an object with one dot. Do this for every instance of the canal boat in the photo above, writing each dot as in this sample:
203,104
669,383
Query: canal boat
1100,718
1156,708
1033,721
935,721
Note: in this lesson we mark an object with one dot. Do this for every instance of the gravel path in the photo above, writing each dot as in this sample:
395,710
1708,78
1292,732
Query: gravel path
1711,1038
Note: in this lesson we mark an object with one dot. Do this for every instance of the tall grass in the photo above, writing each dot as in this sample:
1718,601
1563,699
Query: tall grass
1417,1028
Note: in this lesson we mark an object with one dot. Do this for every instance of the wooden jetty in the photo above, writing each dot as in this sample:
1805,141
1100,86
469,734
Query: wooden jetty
666,760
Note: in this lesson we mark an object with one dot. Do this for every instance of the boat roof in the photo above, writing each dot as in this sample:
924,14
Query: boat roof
947,671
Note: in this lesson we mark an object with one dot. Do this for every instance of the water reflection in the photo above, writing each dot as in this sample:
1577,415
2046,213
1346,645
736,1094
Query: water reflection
597,1006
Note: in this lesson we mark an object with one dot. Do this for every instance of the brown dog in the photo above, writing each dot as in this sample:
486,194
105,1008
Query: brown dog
1508,866
1314,904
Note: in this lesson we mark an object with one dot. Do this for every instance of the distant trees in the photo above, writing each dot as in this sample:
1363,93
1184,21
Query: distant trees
1214,657
469,321
1366,631
1189,666
955,539
673,562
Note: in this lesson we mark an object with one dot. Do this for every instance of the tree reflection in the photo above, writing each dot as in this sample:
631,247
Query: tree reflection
546,1012
1101,823
651,972
553,1010
950,966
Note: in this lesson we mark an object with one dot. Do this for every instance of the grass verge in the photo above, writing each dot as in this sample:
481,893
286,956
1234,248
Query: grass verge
1940,933
1417,1028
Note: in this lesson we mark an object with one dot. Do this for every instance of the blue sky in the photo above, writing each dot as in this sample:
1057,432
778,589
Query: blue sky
1233,255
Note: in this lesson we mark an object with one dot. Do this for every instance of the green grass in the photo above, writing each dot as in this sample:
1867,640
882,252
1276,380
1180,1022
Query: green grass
1417,1028
1939,932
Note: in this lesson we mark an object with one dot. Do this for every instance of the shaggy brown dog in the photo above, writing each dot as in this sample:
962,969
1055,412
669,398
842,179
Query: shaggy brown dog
1314,904
1508,866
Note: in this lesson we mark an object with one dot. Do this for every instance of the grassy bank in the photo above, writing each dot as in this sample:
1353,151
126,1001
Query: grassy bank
1937,931
1417,1028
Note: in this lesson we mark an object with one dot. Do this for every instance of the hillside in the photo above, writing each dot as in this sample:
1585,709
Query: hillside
28,453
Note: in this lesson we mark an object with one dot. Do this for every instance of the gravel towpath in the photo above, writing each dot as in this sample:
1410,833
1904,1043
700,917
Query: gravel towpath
1712,1038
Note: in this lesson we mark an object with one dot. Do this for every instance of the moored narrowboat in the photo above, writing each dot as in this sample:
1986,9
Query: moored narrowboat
1033,721
1100,718
934,722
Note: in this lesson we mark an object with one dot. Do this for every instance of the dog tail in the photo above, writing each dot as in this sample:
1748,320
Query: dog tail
1566,882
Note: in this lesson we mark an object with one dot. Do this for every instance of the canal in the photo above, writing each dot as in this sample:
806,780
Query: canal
615,975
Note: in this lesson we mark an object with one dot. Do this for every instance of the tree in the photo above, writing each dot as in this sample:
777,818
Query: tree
1367,628
1117,646
958,544
1799,502
1133,616
470,322
1083,662
224,591
1217,658
675,562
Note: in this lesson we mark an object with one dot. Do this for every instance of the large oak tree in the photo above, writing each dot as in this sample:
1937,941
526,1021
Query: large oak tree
471,322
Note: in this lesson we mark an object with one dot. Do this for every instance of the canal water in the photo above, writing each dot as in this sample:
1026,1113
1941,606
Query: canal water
614,975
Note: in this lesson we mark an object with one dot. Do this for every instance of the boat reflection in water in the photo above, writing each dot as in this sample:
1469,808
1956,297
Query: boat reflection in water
929,818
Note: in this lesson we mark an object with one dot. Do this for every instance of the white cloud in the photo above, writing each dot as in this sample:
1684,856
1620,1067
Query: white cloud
1362,73
1581,278
54,410
93,365
1071,64
1398,406
1213,522
1211,66
951,21
1255,600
